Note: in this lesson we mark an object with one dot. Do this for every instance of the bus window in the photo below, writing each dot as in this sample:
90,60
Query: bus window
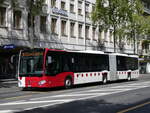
67,63
53,64
31,63
121,63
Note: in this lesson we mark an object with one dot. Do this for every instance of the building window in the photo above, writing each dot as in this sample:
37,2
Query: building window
111,35
53,3
2,16
80,12
105,35
17,19
31,20
87,32
93,8
43,24
72,8
79,4
87,14
63,5
94,32
63,28
80,30
54,26
80,8
72,26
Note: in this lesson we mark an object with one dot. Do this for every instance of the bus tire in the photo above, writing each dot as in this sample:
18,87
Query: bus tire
68,83
129,77
104,79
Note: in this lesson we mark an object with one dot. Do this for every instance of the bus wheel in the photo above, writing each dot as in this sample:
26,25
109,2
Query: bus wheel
68,83
129,77
104,79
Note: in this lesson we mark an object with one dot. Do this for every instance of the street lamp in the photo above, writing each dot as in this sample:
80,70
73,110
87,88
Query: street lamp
85,22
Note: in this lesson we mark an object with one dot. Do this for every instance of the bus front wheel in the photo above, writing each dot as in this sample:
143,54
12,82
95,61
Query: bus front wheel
68,83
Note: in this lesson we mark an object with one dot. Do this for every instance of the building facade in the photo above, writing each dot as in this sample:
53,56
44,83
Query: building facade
63,24
144,51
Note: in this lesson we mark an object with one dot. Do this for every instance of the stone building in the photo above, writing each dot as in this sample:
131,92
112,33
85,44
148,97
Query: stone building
63,24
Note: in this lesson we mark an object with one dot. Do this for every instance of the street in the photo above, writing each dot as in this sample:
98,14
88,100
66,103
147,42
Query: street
115,97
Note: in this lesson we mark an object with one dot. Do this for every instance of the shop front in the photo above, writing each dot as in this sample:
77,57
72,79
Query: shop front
144,62
9,55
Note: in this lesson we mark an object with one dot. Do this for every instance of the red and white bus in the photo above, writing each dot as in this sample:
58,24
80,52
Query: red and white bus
46,68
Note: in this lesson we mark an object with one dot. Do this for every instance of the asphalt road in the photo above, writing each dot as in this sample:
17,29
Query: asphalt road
117,97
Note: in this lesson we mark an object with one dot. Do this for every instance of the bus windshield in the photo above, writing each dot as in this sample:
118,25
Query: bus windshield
31,64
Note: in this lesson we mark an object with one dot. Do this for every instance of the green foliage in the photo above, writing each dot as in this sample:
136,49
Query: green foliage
145,43
124,16
35,6
14,3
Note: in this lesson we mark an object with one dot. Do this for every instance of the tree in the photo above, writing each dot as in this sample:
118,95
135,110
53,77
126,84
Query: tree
34,8
115,14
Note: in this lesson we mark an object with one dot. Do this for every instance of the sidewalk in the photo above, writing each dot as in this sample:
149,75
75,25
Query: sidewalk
8,83
8,88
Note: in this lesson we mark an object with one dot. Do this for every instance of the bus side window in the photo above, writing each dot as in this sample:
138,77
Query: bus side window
67,63
53,64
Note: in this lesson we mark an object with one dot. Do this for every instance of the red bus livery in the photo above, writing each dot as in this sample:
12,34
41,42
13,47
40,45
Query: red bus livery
46,68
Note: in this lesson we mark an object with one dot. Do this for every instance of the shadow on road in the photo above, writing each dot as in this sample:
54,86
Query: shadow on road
89,106
76,86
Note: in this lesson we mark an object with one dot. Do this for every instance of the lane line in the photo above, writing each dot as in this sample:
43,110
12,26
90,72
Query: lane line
35,102
134,107
82,98
8,111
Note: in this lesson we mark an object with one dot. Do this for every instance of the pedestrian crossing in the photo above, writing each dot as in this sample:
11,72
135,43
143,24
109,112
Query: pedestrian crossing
45,101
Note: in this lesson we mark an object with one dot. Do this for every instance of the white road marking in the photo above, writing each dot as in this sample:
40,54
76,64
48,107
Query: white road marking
69,95
7,111
34,102
52,100
78,94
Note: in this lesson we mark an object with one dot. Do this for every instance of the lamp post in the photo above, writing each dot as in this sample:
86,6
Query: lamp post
85,23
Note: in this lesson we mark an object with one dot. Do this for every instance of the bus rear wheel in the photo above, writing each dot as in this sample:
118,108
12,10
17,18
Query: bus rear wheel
104,79
129,77
68,83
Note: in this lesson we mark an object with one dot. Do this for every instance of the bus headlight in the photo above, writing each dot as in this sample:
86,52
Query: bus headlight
42,82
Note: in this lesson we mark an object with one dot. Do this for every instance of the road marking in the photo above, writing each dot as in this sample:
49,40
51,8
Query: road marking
134,107
77,94
7,111
35,102
86,93
71,95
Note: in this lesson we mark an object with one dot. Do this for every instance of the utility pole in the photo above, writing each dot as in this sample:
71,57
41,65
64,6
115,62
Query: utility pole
85,23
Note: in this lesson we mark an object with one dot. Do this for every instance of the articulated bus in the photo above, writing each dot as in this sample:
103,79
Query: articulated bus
47,68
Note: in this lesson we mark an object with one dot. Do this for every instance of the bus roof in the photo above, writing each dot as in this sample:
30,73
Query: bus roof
55,50
118,54
89,51
126,55
135,56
